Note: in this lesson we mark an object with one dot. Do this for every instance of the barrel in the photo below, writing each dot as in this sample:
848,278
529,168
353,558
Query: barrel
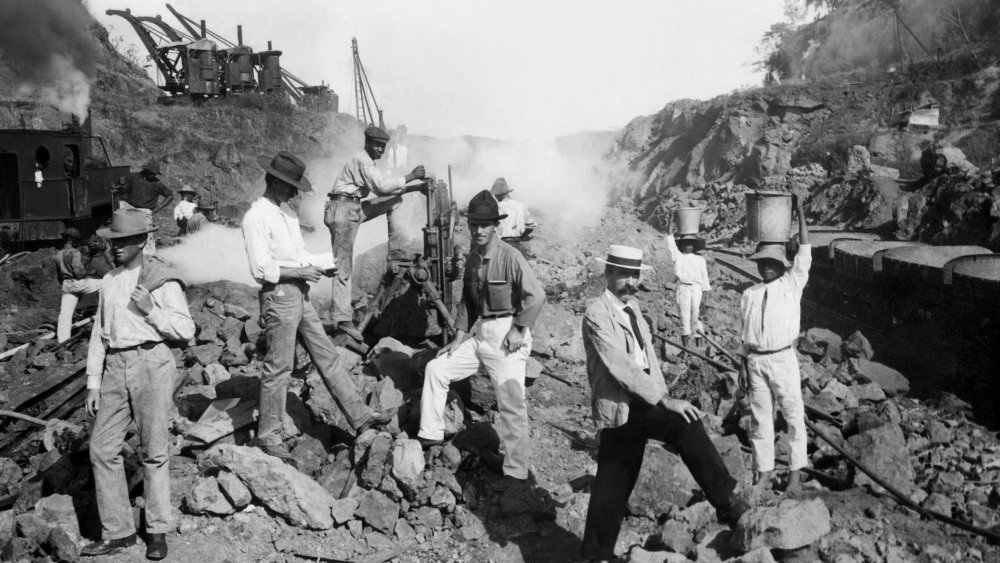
688,220
769,216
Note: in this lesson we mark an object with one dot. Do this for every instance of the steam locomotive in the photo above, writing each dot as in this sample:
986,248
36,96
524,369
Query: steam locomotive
53,179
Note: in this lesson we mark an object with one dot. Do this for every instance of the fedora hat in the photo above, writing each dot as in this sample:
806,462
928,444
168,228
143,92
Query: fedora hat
627,257
776,251
376,134
500,187
288,168
484,207
127,222
152,166
187,189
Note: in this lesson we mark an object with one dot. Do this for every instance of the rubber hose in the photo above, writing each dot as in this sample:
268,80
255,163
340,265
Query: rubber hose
24,417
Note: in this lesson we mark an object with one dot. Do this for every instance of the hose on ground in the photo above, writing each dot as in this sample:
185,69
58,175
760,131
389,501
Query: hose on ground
24,417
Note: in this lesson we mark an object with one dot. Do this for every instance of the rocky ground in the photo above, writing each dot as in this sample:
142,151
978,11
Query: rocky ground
380,498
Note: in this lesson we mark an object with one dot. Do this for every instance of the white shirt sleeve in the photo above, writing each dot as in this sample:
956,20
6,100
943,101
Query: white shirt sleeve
263,268
96,350
672,248
170,315
799,272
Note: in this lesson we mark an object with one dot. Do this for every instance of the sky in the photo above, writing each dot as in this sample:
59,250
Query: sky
513,70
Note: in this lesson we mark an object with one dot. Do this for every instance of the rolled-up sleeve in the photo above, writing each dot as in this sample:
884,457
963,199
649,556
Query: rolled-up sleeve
378,182
97,349
170,316
263,268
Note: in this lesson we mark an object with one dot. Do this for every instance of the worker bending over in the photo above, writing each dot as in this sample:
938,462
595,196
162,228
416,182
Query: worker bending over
345,212
501,299
770,315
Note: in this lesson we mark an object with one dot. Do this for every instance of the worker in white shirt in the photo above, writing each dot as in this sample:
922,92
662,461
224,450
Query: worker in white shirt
519,223
345,212
280,263
130,379
770,315
692,279
185,208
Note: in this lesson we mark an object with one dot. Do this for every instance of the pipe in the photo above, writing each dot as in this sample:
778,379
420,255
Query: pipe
719,365
24,417
727,353
204,35
239,35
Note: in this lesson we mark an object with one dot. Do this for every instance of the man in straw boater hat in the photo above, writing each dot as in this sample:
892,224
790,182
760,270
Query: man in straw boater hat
631,404
280,263
130,378
501,299
345,212
73,280
692,279
770,315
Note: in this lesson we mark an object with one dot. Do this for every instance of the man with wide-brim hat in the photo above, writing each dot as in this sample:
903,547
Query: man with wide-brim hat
358,179
632,405
130,378
519,223
770,319
280,263
144,188
73,280
691,272
501,299
186,207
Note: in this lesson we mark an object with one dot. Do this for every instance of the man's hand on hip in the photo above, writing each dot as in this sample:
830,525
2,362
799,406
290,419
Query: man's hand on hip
688,412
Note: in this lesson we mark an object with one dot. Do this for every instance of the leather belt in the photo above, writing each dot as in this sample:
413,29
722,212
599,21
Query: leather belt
511,239
344,197
144,346
501,316
769,352
264,288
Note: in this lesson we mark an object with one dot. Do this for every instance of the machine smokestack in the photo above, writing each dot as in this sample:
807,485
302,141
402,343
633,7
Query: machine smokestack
269,45
203,34
239,35
49,47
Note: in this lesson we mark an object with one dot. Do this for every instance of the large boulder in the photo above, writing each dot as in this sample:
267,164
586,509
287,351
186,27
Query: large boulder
378,511
790,525
821,343
277,485
556,334
889,380
207,498
883,450
663,481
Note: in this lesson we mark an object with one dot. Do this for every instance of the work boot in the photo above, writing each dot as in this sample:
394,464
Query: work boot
279,451
107,547
492,459
156,547
347,327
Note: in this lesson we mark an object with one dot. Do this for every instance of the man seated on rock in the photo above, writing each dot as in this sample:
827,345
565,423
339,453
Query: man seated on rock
631,404
280,263
130,379
501,299
770,314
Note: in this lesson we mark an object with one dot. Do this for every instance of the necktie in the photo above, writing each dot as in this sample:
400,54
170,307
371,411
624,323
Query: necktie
763,307
635,327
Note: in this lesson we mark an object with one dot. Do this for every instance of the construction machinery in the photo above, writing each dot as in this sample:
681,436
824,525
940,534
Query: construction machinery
364,97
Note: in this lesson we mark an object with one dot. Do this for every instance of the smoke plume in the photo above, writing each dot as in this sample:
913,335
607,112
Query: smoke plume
50,50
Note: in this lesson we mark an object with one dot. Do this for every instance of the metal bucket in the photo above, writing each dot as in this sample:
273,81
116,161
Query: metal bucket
769,216
688,220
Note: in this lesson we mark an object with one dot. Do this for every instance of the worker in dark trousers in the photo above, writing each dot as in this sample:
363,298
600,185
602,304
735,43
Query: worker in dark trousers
345,212
631,405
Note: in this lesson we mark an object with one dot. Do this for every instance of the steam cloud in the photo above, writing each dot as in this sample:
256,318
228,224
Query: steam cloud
48,45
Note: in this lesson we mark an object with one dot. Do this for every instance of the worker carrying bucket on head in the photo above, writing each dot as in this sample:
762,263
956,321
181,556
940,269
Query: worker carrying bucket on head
770,315
690,269
345,212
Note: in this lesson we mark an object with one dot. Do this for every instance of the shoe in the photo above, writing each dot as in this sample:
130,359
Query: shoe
427,443
156,547
107,547
348,329
492,460
376,420
279,451
732,510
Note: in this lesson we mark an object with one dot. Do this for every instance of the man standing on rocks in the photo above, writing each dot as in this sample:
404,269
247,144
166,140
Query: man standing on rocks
631,404
345,212
280,263
130,378
501,299
770,315
519,222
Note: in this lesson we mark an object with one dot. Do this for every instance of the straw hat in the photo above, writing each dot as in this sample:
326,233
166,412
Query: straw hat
775,252
627,257
187,189
500,187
